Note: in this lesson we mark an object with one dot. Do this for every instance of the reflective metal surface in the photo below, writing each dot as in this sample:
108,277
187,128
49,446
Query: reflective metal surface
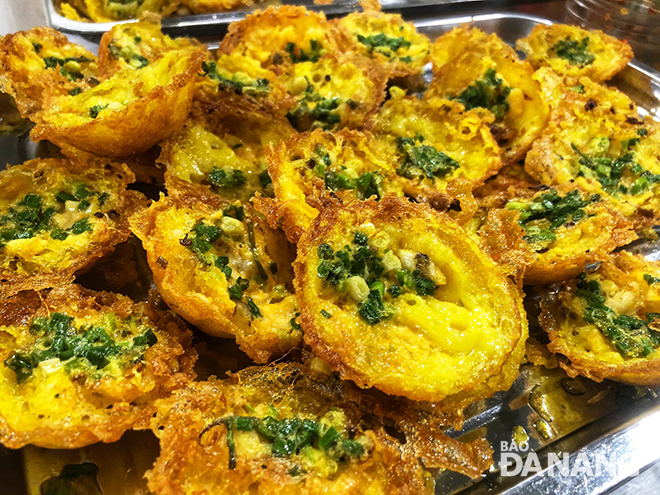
206,23
602,421
559,416
639,81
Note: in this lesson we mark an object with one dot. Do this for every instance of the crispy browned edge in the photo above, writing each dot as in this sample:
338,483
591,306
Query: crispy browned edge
646,372
212,115
502,238
132,202
539,273
278,217
108,64
511,181
185,194
130,130
173,369
389,207
143,165
174,427
398,72
339,49
457,202
278,214
624,50
515,153
28,93
460,189
539,159
237,32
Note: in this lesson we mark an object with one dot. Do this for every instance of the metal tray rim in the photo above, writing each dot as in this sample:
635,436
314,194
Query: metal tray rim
57,21
627,432
60,22
464,19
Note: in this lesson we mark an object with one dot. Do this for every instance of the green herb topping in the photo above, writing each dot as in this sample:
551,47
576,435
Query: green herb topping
69,67
254,309
298,55
265,179
266,183
547,212
609,171
96,109
650,279
226,177
631,336
291,436
336,178
128,54
488,93
422,160
31,216
294,324
383,44
25,219
88,346
202,241
364,274
575,52
313,111
237,84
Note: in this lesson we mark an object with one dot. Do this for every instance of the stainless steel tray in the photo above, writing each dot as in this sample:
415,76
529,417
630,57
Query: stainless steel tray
639,81
620,432
607,420
201,24
194,23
